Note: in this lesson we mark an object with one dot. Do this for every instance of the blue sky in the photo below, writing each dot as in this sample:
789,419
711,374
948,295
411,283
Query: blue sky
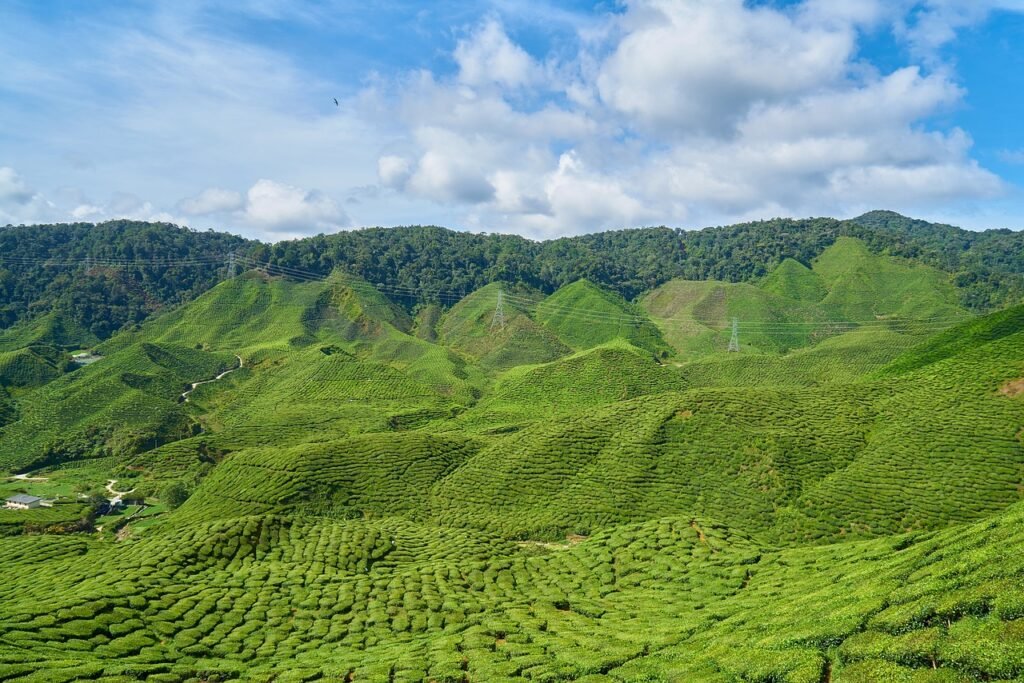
525,116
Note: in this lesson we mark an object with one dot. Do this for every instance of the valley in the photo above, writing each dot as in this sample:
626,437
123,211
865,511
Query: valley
556,483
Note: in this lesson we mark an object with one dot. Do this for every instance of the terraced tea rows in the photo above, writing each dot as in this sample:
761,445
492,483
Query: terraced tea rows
672,599
376,496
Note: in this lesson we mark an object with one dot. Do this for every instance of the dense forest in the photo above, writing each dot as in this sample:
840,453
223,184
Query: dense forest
107,275
112,274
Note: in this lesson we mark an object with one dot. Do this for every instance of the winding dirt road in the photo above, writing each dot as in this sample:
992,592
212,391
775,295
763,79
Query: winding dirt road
185,396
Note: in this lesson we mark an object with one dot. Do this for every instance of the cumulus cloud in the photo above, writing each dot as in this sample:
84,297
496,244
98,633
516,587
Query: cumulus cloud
490,57
684,110
212,200
20,203
1012,156
393,171
12,188
87,212
664,112
284,210
692,65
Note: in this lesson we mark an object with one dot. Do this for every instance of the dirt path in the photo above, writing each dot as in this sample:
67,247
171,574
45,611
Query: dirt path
26,477
1013,388
185,396
116,495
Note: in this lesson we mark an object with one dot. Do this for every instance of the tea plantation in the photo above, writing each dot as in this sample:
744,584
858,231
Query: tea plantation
329,486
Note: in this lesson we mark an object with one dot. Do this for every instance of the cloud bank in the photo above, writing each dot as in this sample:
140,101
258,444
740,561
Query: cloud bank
680,112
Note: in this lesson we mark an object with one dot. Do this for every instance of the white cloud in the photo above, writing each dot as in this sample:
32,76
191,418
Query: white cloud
20,203
931,24
394,171
684,111
12,188
489,56
87,212
692,65
663,112
279,209
212,200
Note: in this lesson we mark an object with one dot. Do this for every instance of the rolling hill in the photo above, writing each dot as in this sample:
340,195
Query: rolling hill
345,479
795,307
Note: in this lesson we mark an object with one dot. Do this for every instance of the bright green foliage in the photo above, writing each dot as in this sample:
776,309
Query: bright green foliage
470,327
696,317
584,316
32,366
7,409
126,402
43,268
53,329
174,494
793,280
586,380
795,307
376,496
864,287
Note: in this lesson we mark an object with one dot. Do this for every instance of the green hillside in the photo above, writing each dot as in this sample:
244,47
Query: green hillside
127,402
330,480
696,317
864,286
793,280
516,339
32,366
583,316
583,381
795,307
52,329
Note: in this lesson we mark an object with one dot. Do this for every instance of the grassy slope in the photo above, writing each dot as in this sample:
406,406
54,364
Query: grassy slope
351,528
31,366
51,329
796,307
469,328
844,358
125,402
584,316
865,286
696,317
921,450
677,598
596,377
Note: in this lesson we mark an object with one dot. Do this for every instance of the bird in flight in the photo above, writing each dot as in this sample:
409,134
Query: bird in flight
336,102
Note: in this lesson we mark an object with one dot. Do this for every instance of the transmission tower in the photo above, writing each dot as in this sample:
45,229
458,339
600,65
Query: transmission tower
499,312
734,341
231,265
88,263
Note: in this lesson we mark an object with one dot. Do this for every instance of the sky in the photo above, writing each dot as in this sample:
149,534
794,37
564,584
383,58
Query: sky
539,118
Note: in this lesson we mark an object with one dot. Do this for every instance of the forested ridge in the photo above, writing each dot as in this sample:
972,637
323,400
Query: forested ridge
106,275
109,275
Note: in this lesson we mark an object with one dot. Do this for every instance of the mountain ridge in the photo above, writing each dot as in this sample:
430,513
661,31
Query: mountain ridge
114,274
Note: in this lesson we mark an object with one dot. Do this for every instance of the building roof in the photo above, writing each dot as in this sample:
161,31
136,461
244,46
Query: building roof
24,499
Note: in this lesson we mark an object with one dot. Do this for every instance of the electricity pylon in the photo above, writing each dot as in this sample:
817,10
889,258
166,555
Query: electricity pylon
734,341
499,312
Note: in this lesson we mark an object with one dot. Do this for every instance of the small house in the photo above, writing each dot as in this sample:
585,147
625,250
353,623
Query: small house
23,501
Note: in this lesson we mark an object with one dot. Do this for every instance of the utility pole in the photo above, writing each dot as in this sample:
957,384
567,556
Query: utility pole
734,341
499,312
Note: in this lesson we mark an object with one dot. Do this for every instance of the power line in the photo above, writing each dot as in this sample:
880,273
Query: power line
499,313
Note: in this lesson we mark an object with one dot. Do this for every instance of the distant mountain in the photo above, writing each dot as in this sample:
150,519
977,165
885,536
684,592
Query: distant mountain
102,277
355,468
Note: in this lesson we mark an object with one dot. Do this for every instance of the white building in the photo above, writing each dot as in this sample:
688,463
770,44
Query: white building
23,501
